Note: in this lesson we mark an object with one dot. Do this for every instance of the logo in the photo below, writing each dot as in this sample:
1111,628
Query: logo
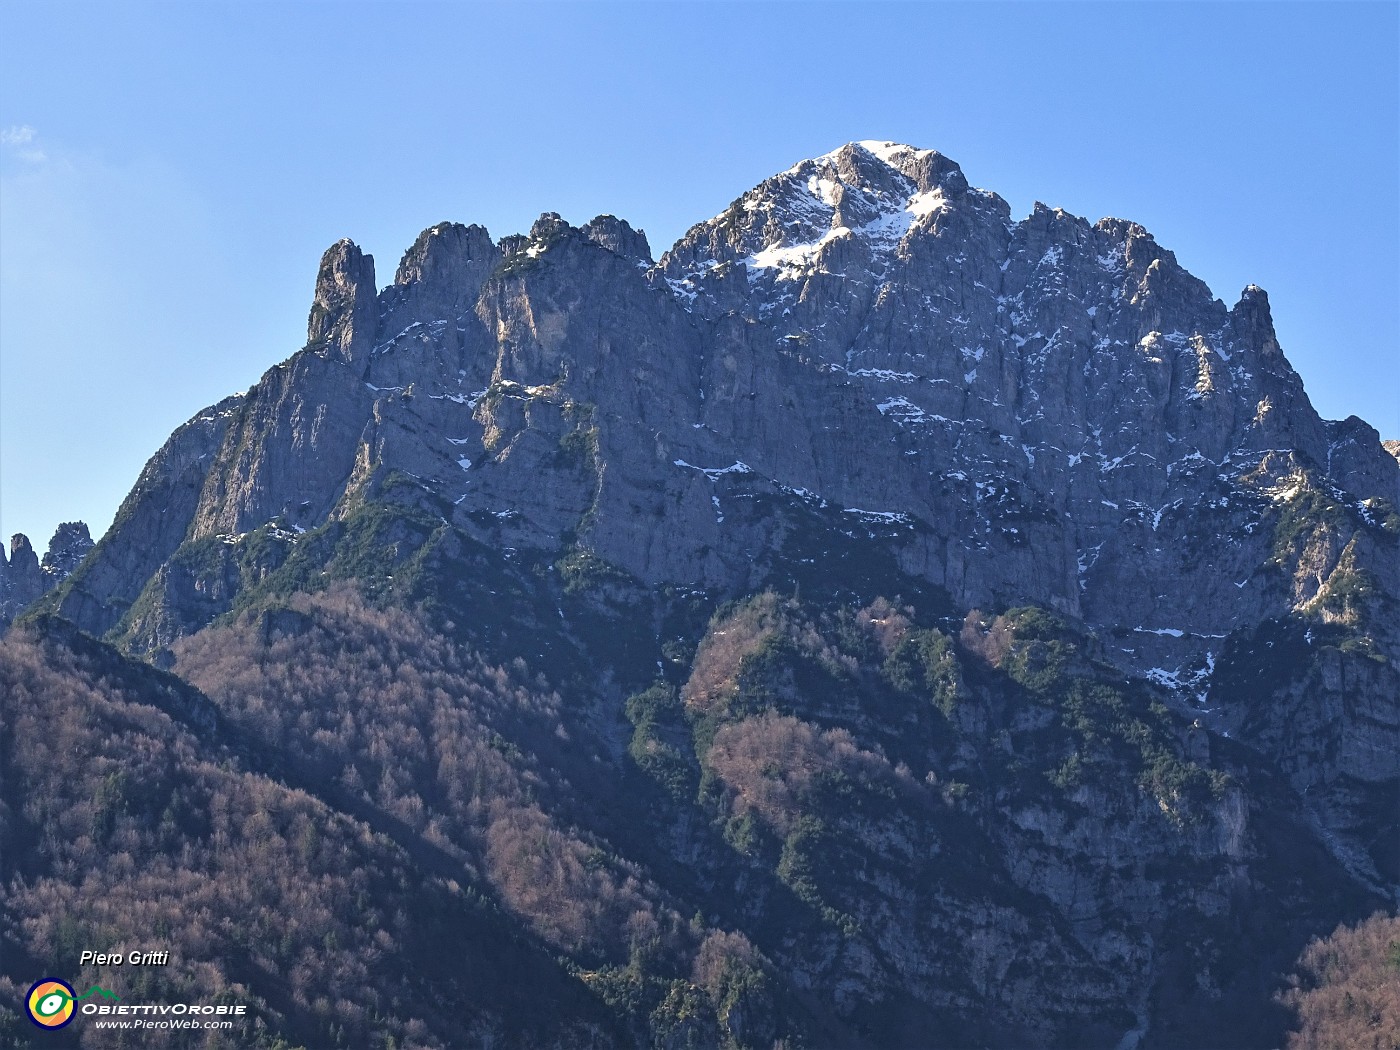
50,1003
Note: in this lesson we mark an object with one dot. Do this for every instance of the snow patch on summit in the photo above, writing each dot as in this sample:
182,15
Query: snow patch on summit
891,152
815,201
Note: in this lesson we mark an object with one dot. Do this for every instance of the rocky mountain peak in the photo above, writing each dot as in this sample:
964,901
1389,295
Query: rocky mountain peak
617,235
344,310
438,279
1046,410
548,227
69,546
441,251
21,579
1253,321
927,168
22,552
858,202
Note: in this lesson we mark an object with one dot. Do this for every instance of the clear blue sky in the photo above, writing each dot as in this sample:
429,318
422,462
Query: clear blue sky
170,173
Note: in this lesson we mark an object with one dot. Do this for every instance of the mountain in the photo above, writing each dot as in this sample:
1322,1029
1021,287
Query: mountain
877,622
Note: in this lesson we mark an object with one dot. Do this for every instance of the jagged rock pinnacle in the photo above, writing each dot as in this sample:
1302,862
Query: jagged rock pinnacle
344,311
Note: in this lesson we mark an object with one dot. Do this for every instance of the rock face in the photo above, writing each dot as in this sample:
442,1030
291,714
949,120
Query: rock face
343,313
21,579
864,354
617,235
69,546
1045,410
24,578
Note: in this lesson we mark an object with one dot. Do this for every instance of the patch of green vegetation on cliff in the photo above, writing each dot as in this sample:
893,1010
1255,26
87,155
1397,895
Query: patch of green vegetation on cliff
827,557
1363,646
1103,725
925,661
611,613
1300,517
578,448
1348,591
658,720
801,858
584,573
523,262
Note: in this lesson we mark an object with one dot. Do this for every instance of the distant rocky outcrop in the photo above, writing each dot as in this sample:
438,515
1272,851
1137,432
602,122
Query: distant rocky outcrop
618,236
21,578
24,578
69,546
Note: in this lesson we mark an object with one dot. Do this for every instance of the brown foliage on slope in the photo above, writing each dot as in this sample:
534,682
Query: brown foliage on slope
1347,989
777,765
430,734
122,828
721,655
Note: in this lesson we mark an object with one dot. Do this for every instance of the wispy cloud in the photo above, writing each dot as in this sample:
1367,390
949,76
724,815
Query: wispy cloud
20,139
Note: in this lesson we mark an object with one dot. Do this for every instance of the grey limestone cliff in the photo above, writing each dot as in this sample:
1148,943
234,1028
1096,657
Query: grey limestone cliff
1045,410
